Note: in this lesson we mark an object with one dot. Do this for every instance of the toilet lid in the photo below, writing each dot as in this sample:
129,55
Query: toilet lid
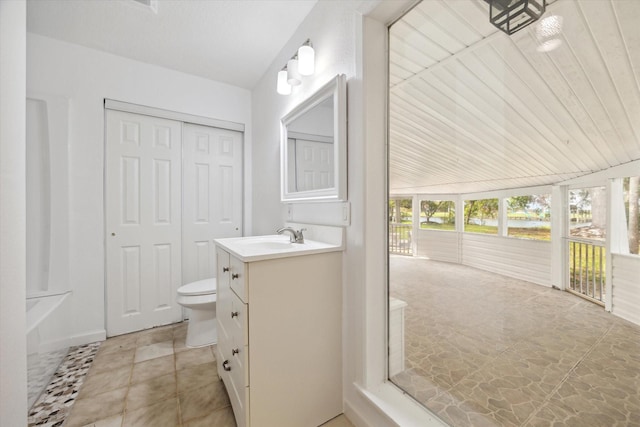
201,287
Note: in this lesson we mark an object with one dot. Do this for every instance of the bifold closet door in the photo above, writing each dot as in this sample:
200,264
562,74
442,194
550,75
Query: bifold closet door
143,221
212,195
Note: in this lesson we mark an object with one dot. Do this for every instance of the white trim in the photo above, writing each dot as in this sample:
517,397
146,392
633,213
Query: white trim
127,107
415,220
613,240
597,179
505,193
542,189
310,137
503,222
335,89
608,269
13,83
74,340
559,230
369,399
400,409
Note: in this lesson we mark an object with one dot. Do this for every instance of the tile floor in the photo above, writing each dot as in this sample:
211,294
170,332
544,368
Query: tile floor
40,370
151,379
53,404
483,349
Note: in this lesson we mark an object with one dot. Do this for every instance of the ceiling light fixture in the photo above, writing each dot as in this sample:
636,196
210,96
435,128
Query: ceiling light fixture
513,15
302,63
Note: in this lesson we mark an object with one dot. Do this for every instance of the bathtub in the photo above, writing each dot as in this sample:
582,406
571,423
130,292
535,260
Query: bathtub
45,351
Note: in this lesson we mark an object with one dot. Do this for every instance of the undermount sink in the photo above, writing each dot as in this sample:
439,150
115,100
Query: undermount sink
256,248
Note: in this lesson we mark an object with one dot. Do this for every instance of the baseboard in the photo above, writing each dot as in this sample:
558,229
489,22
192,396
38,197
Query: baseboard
354,416
75,340
88,337
362,412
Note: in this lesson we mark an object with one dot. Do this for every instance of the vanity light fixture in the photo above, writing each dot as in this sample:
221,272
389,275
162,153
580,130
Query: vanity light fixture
513,15
306,59
302,63
284,88
293,75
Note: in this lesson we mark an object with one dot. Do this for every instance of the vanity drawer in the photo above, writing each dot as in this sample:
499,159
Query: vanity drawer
239,363
238,324
233,377
239,278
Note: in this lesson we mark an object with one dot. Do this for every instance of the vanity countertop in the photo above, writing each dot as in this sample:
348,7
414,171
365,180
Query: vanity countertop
261,248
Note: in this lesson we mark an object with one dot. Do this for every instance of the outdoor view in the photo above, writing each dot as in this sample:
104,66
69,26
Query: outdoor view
527,217
513,214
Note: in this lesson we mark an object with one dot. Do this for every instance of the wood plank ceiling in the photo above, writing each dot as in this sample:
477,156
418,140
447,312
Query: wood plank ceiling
472,109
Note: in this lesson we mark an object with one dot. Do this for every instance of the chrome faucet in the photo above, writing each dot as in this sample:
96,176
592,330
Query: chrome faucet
294,236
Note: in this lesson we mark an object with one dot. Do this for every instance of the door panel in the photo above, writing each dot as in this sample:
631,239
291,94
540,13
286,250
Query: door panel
314,164
212,196
143,221
130,281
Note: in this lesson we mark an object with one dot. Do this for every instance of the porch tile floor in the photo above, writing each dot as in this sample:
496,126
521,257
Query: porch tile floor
151,379
482,349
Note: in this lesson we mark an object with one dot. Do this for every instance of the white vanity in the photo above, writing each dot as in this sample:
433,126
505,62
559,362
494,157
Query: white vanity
279,314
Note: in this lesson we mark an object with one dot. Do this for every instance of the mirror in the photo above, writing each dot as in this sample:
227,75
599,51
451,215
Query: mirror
314,146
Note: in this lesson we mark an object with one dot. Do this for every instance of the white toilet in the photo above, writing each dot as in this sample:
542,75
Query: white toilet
200,297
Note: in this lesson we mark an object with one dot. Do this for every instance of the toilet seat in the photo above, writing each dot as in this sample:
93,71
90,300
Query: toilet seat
201,287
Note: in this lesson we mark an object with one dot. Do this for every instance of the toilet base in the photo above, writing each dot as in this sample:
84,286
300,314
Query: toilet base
202,329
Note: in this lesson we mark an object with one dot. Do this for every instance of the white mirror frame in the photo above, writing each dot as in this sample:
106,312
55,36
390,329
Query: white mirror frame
336,88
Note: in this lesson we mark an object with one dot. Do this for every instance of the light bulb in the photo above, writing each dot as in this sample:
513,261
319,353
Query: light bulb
548,32
306,60
283,87
293,75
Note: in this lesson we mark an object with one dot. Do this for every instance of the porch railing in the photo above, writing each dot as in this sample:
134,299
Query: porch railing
587,261
400,239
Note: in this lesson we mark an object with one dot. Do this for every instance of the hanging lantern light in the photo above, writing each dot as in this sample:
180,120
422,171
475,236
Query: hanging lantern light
513,15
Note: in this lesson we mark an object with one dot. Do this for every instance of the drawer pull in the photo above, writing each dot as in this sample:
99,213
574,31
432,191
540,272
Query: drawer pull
234,351
225,269
234,314
234,276
225,366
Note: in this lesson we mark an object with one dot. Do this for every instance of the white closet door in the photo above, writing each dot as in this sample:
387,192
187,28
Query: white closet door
143,221
212,196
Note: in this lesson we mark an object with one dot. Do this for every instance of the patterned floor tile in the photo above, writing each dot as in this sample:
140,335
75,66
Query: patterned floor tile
484,349
54,404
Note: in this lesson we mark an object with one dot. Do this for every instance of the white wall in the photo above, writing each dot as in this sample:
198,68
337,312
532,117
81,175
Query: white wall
347,43
626,287
85,77
331,28
439,245
13,344
336,30
523,259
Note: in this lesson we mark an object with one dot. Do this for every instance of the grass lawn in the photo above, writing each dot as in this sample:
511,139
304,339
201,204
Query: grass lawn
538,233
437,226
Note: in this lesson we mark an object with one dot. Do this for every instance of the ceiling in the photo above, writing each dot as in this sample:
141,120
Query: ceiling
473,110
231,41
